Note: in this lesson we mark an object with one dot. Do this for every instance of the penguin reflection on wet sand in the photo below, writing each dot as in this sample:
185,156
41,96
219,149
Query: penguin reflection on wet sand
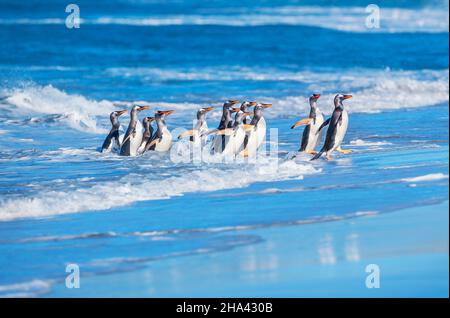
112,141
200,128
161,141
133,137
311,134
338,124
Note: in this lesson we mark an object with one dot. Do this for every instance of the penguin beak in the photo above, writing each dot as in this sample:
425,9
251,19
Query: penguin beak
266,105
166,112
235,109
150,119
347,96
141,108
208,109
233,102
316,96
121,112
252,104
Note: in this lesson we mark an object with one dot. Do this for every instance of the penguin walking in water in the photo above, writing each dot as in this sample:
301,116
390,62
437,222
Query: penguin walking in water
338,124
256,133
200,128
236,134
244,107
161,141
148,133
133,137
112,141
220,141
311,134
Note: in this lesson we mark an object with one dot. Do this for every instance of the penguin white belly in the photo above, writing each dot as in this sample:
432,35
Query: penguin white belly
235,143
116,147
260,132
256,137
165,143
216,145
136,139
341,130
314,134
202,131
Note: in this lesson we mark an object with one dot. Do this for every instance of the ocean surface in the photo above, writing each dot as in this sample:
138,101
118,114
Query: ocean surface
151,227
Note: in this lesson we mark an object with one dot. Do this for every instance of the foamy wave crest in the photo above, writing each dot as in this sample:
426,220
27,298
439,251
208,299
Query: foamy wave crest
32,288
75,110
133,188
375,91
348,19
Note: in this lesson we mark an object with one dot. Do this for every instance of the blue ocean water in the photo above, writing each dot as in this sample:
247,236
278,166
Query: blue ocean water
123,220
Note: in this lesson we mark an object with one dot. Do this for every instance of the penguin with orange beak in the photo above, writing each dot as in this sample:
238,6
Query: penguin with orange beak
112,141
161,141
201,127
311,134
133,137
338,124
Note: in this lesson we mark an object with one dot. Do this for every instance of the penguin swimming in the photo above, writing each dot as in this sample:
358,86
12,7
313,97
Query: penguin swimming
257,131
133,137
161,141
112,141
337,129
201,127
311,134
220,141
148,133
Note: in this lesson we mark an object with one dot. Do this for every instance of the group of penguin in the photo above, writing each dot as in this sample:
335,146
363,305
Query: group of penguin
239,137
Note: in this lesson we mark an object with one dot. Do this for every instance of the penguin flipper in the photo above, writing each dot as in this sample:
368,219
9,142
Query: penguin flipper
325,123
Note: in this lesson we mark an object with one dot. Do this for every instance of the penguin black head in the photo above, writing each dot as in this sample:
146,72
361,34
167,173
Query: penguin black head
339,98
161,114
117,113
114,116
246,105
230,103
313,99
147,120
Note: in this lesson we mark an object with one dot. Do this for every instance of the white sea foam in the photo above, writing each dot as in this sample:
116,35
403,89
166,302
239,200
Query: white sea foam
427,177
25,290
348,19
132,188
364,143
373,91
76,111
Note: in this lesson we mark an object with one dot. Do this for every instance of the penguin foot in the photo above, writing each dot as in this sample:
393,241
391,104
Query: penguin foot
328,157
312,152
344,151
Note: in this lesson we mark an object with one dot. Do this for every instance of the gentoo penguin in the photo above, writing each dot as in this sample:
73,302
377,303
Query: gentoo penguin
244,107
257,131
337,129
311,134
112,141
200,128
148,133
236,134
133,137
219,142
161,141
